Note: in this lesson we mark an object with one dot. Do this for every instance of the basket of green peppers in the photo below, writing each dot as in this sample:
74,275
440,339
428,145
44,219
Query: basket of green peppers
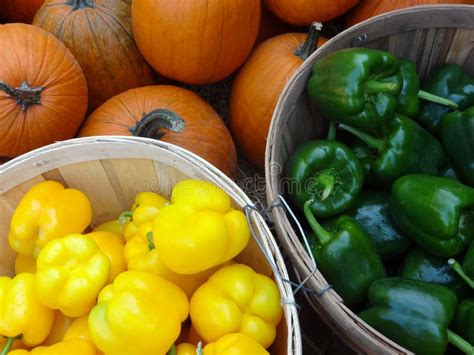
388,197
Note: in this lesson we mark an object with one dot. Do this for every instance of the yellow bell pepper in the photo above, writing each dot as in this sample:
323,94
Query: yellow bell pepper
61,324
66,347
144,209
21,312
25,263
140,313
71,272
235,344
236,299
186,349
141,255
113,226
46,212
79,329
111,244
199,230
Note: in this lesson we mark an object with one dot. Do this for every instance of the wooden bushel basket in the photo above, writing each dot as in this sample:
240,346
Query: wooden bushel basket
111,171
429,35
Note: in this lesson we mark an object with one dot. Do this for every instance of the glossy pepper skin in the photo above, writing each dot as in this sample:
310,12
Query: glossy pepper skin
21,311
457,136
422,266
463,322
71,272
25,263
346,257
414,314
113,226
408,103
112,245
326,172
67,347
451,82
141,255
406,149
60,325
466,270
371,212
440,218
140,313
236,344
236,299
185,349
357,86
199,229
144,209
46,212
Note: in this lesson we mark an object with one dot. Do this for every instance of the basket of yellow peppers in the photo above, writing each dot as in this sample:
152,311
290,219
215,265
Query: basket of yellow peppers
174,272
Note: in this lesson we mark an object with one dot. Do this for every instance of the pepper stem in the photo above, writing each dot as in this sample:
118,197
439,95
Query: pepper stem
153,123
425,95
460,271
460,343
311,43
332,131
125,217
375,87
323,235
172,350
199,349
371,141
328,180
151,243
8,345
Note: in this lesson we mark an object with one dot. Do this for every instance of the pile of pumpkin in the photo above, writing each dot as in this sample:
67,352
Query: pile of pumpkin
117,67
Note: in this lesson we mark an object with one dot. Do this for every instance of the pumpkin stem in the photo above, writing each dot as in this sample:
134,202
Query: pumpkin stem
311,42
80,4
24,95
152,123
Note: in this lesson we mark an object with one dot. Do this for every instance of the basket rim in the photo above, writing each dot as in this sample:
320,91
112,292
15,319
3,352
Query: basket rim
38,162
286,234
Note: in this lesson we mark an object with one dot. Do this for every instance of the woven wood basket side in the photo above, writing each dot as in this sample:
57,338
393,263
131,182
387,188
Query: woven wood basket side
111,171
429,35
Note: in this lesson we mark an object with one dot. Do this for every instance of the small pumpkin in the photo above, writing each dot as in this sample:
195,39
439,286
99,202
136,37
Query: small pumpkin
171,114
304,12
43,92
19,10
99,34
198,41
258,85
370,8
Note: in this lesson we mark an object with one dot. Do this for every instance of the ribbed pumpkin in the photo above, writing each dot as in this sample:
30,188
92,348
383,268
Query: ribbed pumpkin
370,8
19,10
258,85
303,12
172,114
195,41
99,34
43,92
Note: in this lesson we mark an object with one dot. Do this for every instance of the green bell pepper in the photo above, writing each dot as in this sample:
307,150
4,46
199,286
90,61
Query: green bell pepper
328,173
422,266
408,103
466,271
437,212
451,82
463,322
371,211
407,149
457,136
414,314
361,87
346,256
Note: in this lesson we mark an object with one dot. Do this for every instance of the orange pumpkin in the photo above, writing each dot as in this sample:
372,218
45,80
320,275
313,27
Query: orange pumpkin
99,34
198,41
19,10
43,92
172,114
258,85
303,12
271,26
370,8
